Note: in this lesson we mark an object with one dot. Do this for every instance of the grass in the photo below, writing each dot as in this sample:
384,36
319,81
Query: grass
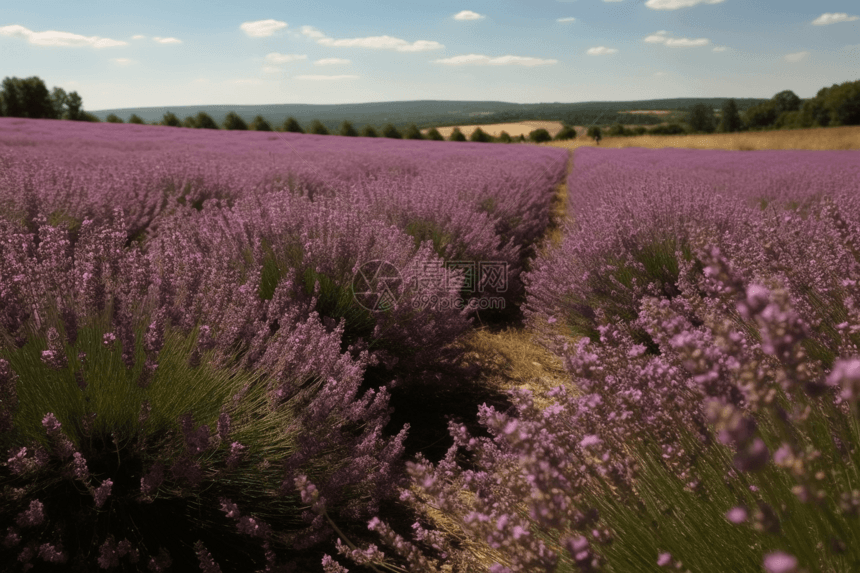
819,138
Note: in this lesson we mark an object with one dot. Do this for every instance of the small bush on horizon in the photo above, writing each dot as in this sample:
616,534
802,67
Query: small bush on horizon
456,135
412,132
169,119
539,135
434,135
234,122
260,124
318,128
136,119
701,119
291,125
188,121
204,121
567,133
669,129
347,129
504,137
388,130
368,131
113,118
480,136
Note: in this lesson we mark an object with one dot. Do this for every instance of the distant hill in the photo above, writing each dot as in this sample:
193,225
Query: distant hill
429,113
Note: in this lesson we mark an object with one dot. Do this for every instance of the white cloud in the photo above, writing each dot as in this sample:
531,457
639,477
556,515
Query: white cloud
468,15
481,60
331,62
796,57
271,70
138,37
276,58
121,61
373,42
720,48
247,82
262,28
662,37
601,51
660,74
324,78
676,4
167,40
565,20
828,18
55,38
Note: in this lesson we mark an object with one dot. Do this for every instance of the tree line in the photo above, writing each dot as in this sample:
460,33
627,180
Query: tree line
29,97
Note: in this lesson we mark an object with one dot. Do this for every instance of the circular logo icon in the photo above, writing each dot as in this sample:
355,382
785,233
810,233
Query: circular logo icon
375,285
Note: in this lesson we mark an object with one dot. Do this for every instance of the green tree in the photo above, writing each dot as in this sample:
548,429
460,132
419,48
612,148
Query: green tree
58,101
480,136
434,135
522,137
701,118
260,124
760,116
669,129
456,135
27,97
291,125
730,117
204,121
567,132
539,135
113,118
786,101
169,119
347,130
189,122
74,107
504,137
368,131
318,128
595,134
639,130
412,132
136,119
87,116
234,122
388,130
618,130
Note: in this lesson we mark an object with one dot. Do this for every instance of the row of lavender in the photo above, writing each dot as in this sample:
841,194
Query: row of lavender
181,355
707,308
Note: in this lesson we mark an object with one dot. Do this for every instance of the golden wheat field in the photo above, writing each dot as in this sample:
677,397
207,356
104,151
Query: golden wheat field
814,138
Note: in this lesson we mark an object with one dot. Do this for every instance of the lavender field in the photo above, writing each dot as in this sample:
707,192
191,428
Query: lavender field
216,349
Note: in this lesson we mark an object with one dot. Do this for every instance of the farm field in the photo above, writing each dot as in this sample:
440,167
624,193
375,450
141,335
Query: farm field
514,129
822,138
312,353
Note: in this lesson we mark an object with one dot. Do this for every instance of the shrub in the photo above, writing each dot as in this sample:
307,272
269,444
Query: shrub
701,119
291,125
170,119
136,119
388,130
480,136
188,122
456,135
113,118
318,128
640,130
412,132
567,132
347,130
504,137
234,122
87,116
204,121
618,130
669,129
730,120
539,135
595,133
260,124
434,135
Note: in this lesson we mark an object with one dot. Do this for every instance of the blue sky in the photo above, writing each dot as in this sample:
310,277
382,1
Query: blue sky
118,53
